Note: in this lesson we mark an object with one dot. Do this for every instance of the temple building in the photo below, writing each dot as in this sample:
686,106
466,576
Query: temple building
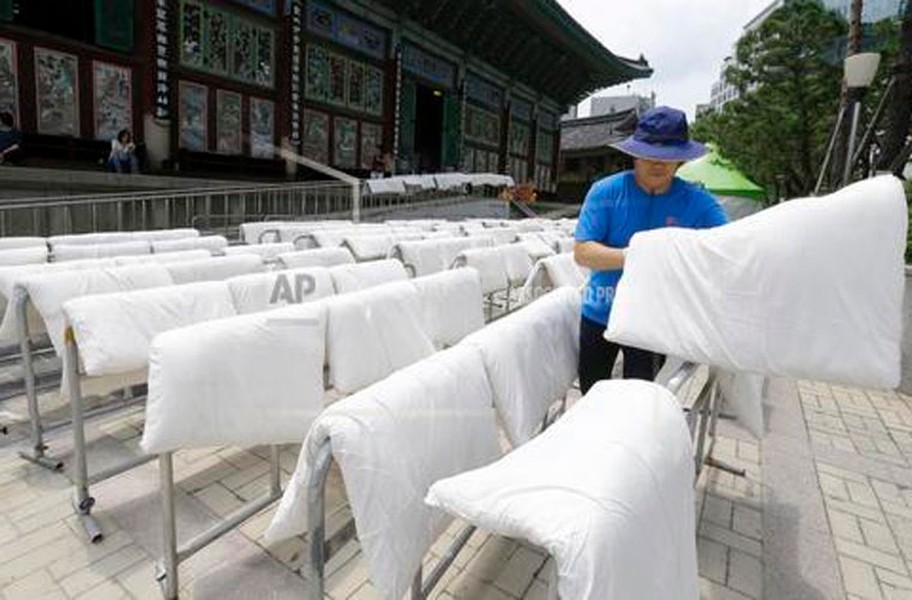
220,86
586,153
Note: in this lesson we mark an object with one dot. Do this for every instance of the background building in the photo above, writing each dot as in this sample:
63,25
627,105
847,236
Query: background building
609,105
215,86
586,152
722,92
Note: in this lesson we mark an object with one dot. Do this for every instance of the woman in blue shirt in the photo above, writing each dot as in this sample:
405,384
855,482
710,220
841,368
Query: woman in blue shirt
617,207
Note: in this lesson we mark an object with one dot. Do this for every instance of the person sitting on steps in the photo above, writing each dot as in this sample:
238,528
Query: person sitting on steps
123,153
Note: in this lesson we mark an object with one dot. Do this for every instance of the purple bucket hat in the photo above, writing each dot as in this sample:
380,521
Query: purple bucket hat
662,134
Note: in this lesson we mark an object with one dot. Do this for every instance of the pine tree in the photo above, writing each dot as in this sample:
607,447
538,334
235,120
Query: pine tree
789,73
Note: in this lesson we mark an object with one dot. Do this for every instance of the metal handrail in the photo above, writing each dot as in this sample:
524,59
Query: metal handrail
353,182
174,208
340,194
87,199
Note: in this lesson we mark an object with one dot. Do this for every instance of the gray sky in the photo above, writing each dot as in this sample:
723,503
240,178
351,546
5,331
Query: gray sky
684,42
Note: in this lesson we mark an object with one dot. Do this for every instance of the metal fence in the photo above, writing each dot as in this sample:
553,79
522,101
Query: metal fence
175,208
217,209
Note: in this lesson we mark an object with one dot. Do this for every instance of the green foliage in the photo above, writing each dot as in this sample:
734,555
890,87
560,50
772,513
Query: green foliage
790,78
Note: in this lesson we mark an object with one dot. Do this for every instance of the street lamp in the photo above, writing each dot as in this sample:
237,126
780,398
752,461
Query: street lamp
860,70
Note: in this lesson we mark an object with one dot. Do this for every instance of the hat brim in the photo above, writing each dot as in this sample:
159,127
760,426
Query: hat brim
667,153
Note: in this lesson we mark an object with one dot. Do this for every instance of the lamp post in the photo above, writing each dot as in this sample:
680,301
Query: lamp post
860,70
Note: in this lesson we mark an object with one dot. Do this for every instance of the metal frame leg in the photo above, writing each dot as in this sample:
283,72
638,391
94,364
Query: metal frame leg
552,580
173,555
82,501
316,521
710,460
702,410
426,587
37,452
167,569
275,472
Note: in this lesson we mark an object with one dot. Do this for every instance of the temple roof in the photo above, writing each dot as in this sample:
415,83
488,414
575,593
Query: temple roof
534,41
593,133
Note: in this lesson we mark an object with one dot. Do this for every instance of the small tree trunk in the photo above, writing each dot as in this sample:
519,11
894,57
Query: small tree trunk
855,30
899,110
849,97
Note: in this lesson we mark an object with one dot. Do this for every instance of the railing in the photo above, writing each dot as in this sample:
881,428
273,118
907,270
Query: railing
216,210
373,208
174,208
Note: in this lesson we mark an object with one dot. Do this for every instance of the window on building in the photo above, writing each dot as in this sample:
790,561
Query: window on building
226,44
336,79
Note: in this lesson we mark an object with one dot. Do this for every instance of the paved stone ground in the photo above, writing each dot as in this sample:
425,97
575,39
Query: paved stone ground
825,511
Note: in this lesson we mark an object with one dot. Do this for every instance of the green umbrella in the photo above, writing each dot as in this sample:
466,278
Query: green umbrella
720,176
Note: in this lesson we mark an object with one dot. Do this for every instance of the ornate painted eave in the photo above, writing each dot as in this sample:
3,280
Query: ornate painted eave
534,41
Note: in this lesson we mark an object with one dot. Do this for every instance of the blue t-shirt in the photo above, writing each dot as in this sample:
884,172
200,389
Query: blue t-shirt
616,208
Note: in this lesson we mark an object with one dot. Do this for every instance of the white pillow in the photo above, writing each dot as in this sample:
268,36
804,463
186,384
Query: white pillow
808,289
607,491
373,333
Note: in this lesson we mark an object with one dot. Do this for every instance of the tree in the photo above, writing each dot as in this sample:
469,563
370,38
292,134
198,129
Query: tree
789,73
